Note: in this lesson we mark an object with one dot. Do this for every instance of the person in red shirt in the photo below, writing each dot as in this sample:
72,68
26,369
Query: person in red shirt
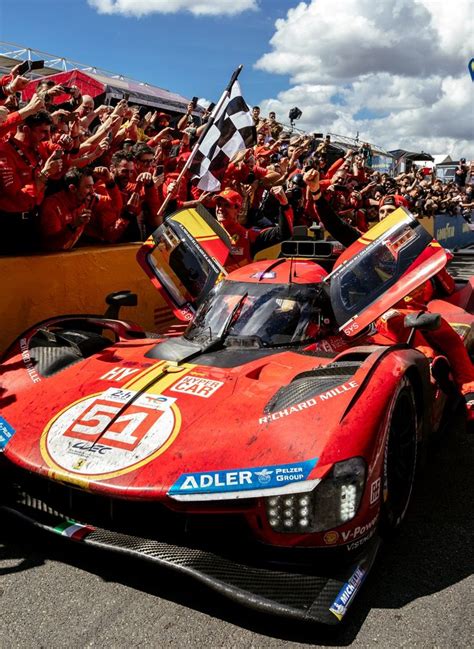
144,158
12,83
106,223
27,159
64,215
10,121
247,242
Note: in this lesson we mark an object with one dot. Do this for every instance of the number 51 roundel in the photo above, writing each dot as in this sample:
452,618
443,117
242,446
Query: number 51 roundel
102,436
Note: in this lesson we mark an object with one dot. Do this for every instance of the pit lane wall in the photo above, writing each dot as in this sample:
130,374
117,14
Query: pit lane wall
40,286
453,231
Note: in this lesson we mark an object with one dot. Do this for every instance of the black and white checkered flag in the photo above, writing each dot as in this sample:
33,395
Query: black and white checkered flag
233,129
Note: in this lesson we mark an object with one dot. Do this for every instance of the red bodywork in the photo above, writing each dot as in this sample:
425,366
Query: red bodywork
129,422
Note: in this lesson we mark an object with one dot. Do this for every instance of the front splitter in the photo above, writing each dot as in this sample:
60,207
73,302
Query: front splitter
282,590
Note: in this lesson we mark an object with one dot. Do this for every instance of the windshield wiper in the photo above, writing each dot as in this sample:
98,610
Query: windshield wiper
232,316
213,342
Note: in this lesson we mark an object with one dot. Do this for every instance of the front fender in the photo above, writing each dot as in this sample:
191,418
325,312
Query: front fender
121,329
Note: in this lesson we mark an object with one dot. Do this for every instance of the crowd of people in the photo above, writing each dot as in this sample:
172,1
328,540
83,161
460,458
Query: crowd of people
73,173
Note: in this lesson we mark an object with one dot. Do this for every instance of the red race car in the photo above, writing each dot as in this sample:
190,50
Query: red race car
268,449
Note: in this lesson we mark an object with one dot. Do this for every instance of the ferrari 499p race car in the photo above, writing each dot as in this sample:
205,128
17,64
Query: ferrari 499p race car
268,449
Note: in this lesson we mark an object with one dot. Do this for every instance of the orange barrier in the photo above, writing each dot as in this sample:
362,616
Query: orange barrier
40,286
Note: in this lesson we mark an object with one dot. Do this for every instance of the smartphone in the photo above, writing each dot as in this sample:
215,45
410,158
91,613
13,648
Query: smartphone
58,154
194,101
126,96
67,89
160,169
27,66
211,106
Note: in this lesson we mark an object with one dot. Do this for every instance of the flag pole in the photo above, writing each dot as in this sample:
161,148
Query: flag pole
210,122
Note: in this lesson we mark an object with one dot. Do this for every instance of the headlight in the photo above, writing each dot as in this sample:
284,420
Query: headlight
332,503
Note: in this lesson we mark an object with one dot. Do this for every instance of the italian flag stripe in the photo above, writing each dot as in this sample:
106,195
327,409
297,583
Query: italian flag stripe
73,530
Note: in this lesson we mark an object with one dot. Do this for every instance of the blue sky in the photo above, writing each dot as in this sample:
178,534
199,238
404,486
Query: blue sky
394,72
192,55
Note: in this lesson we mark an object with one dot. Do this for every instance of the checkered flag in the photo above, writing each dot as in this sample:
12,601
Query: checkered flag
232,129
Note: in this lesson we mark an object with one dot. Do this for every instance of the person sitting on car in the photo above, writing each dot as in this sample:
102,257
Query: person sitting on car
247,242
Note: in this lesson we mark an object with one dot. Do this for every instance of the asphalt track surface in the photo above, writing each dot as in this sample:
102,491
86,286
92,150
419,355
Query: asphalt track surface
420,593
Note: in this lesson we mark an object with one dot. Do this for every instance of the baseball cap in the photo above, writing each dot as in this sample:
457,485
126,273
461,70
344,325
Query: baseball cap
394,199
262,151
232,197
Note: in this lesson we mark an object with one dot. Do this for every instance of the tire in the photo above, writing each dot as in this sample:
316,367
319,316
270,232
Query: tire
400,459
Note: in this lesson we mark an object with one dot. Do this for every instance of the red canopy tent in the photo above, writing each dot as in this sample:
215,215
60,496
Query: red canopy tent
93,84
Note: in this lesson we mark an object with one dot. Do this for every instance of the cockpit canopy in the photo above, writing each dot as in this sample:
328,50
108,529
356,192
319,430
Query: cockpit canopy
253,314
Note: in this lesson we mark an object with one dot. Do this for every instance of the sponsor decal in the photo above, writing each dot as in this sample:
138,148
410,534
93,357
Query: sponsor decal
360,530
356,544
242,479
391,313
331,344
331,537
73,530
118,374
110,433
25,355
351,328
375,491
6,433
265,275
309,403
347,593
445,233
197,386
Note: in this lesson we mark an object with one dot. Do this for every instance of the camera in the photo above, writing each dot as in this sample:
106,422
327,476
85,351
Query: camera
294,114
294,194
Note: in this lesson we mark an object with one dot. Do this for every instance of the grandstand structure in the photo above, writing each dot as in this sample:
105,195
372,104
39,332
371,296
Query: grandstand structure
91,79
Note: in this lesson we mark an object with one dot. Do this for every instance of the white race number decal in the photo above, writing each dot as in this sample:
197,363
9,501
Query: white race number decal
92,437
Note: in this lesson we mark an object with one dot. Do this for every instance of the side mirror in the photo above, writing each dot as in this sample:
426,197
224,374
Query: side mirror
117,300
422,321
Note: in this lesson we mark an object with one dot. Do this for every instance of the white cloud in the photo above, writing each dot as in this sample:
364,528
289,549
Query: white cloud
394,71
140,8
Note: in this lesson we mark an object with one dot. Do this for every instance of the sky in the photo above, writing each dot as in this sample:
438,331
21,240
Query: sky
393,71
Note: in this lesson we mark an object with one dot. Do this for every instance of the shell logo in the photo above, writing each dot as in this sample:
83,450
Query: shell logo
331,537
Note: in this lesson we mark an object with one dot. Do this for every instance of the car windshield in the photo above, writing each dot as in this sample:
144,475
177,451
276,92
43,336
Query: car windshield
258,315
